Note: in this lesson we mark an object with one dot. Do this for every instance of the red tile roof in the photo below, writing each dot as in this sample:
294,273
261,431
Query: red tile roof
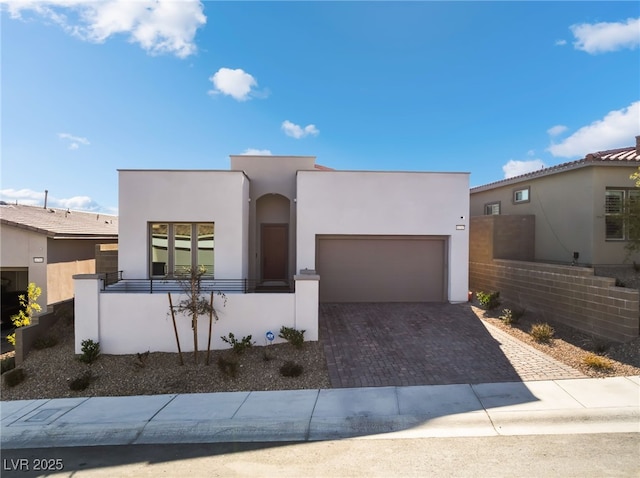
323,168
629,156
60,223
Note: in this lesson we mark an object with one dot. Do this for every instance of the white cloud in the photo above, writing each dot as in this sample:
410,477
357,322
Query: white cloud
603,37
617,129
257,152
29,197
556,130
516,168
296,131
158,26
561,42
74,141
235,83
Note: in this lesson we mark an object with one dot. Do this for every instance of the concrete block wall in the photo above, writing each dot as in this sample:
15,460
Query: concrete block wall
502,236
568,295
106,258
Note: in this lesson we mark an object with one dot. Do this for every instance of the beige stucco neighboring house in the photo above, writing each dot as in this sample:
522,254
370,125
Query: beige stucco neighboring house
278,234
576,206
48,246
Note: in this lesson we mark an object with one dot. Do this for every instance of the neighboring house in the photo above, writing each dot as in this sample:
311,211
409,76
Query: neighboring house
576,205
48,246
276,224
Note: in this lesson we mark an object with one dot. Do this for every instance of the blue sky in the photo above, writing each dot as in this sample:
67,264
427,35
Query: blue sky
491,88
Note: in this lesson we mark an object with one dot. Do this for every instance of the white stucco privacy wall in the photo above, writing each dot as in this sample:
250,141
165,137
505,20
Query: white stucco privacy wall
386,203
128,323
148,196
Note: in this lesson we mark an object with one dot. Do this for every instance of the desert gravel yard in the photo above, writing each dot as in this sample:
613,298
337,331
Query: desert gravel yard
49,371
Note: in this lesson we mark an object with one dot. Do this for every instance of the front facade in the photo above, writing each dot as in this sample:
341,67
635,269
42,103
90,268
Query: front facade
576,206
48,246
371,236
280,223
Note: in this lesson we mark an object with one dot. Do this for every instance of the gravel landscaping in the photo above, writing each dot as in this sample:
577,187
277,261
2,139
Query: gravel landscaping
570,346
49,371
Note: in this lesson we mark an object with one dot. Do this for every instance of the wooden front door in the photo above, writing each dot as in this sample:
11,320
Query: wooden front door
275,251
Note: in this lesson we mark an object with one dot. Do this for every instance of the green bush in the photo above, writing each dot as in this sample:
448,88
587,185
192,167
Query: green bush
542,332
7,364
511,316
293,336
90,351
489,300
14,377
229,368
45,342
239,346
81,383
291,369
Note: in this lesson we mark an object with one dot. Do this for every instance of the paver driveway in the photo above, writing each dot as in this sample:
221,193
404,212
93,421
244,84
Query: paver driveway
397,344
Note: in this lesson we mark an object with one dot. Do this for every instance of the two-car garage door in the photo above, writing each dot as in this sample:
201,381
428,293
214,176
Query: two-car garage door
381,268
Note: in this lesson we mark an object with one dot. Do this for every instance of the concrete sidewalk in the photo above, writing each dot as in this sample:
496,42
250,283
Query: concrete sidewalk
512,408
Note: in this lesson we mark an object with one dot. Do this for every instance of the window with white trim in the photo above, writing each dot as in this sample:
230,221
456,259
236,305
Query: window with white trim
176,248
619,203
521,195
492,209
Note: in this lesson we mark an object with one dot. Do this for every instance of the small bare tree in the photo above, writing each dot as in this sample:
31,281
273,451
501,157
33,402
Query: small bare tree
195,305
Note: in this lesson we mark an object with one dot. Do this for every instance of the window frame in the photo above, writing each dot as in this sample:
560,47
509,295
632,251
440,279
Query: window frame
194,249
515,192
492,204
626,195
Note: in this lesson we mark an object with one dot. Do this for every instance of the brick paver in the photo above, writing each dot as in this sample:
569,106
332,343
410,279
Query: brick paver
385,344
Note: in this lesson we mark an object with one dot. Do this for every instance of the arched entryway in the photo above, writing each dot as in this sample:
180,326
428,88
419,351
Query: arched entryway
273,220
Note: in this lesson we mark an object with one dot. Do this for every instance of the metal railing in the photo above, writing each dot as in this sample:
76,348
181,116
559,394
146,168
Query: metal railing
114,282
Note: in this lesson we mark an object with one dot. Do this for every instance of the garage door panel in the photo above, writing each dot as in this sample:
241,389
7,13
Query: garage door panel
381,269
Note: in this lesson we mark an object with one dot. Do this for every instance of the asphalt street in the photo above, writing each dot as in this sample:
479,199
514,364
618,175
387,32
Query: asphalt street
580,455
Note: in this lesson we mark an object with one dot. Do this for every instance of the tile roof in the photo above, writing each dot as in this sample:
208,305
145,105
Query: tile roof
629,156
60,223
323,168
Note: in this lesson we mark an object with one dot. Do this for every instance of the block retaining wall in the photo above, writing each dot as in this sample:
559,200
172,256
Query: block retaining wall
568,295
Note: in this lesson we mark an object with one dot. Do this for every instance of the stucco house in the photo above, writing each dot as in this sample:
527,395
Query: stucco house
576,206
48,246
278,234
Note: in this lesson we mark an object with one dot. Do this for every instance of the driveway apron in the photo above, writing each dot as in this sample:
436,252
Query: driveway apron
401,344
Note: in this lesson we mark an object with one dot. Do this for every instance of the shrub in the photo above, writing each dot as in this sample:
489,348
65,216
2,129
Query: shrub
239,346
511,316
141,359
229,368
489,300
81,383
29,306
542,332
14,377
596,345
291,369
7,364
90,351
45,342
293,336
597,361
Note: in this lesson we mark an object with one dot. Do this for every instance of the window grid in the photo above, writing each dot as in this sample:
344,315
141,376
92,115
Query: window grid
618,204
176,248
